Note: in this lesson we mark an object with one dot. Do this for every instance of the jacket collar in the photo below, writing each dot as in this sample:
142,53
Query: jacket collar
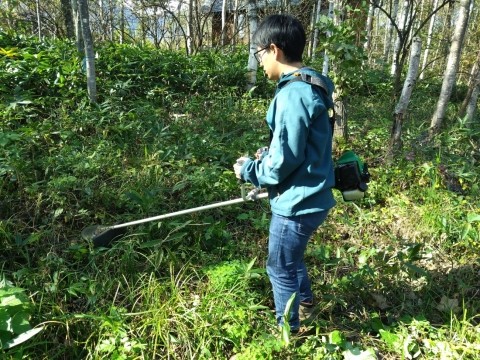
285,78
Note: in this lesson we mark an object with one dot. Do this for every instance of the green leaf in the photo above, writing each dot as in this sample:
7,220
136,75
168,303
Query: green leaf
358,354
12,300
473,217
5,320
286,334
10,291
179,186
151,243
4,337
243,216
416,269
135,197
336,337
57,213
376,323
7,137
392,340
250,264
20,322
257,307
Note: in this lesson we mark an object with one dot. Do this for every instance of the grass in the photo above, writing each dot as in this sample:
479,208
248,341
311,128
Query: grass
396,274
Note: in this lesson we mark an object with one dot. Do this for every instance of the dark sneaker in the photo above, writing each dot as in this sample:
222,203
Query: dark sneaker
306,312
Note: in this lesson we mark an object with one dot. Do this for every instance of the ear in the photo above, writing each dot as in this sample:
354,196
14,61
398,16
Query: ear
278,53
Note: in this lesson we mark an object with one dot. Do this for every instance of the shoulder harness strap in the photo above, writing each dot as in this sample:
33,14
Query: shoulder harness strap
319,82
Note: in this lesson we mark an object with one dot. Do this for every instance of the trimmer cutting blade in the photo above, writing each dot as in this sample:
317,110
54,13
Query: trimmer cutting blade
102,236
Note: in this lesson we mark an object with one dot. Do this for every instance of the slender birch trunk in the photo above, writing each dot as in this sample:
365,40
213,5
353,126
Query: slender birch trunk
122,22
102,19
39,20
340,129
473,103
78,26
472,85
369,27
315,32
389,32
312,27
331,11
8,11
450,73
224,21
66,6
235,24
402,105
400,39
190,28
416,19
143,26
89,51
442,50
375,30
429,40
111,29
252,62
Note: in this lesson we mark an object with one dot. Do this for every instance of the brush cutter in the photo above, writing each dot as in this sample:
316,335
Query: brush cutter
104,235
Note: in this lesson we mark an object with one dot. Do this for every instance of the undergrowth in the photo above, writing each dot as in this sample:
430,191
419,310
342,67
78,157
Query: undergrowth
395,275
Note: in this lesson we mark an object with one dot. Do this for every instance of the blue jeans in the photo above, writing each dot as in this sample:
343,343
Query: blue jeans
285,265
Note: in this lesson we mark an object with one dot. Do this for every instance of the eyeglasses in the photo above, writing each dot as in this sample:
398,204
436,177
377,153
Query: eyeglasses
259,57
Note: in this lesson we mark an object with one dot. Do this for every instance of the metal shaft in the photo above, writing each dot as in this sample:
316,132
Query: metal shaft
188,211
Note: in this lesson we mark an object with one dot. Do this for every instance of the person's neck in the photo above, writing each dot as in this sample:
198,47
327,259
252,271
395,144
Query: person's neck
291,67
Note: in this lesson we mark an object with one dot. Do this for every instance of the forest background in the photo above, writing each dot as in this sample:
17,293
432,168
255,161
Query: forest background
113,111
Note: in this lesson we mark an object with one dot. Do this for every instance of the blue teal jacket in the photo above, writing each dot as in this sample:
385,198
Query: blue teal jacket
298,168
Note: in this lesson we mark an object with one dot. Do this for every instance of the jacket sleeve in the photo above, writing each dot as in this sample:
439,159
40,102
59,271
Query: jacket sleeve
292,110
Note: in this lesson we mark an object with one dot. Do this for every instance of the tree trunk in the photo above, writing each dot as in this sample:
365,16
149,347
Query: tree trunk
89,51
369,27
200,27
312,27
429,40
252,62
68,18
472,85
340,129
78,26
224,22
376,31
8,12
472,104
402,105
190,28
235,24
102,20
315,33
389,32
122,22
399,42
442,50
143,26
111,30
325,55
451,68
39,21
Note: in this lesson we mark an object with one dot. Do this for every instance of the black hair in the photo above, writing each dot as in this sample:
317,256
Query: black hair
285,31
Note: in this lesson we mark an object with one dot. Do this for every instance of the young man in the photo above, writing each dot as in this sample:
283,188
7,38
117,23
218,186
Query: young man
297,168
